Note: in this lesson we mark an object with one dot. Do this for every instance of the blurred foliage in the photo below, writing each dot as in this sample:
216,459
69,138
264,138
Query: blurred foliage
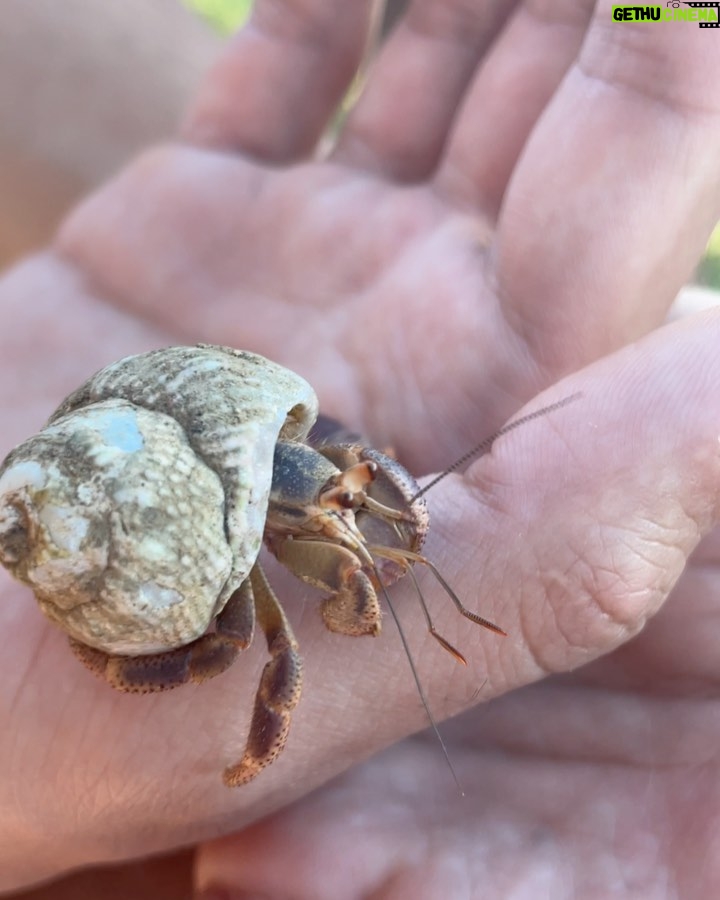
709,269
713,247
225,16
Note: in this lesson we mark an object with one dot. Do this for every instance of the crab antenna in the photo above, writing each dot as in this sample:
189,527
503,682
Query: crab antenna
418,684
409,556
461,608
485,445
444,643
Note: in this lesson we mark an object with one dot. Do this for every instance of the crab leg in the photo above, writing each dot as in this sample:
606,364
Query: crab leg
279,690
204,658
352,605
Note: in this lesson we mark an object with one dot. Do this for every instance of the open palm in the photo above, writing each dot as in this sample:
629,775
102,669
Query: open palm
467,243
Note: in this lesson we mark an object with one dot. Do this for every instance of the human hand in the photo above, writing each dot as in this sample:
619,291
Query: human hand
459,252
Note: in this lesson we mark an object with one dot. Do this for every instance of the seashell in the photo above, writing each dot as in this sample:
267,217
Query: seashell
140,507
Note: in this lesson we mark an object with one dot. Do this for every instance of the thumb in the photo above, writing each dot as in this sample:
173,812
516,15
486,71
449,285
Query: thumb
571,534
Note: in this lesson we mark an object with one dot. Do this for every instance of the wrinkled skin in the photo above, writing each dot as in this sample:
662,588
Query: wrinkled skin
467,245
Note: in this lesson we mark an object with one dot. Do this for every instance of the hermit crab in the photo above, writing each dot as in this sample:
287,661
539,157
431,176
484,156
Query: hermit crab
137,515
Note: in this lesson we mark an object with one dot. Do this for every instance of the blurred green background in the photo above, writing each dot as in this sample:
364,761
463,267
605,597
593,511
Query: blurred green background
708,272
225,15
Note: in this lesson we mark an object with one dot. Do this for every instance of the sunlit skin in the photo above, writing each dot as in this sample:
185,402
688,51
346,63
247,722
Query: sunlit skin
505,215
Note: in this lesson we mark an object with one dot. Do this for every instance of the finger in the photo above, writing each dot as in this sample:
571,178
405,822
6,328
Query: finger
380,821
400,123
645,428
536,762
272,92
519,76
570,534
628,195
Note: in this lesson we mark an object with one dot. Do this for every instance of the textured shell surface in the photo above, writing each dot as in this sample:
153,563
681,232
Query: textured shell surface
140,507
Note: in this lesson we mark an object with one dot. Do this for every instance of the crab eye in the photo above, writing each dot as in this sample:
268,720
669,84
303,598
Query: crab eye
346,500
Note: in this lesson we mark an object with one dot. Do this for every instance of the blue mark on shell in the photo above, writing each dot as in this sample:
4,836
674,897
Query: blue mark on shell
118,428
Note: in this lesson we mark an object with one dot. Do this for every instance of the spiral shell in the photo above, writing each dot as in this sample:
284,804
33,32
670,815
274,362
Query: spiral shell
140,507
